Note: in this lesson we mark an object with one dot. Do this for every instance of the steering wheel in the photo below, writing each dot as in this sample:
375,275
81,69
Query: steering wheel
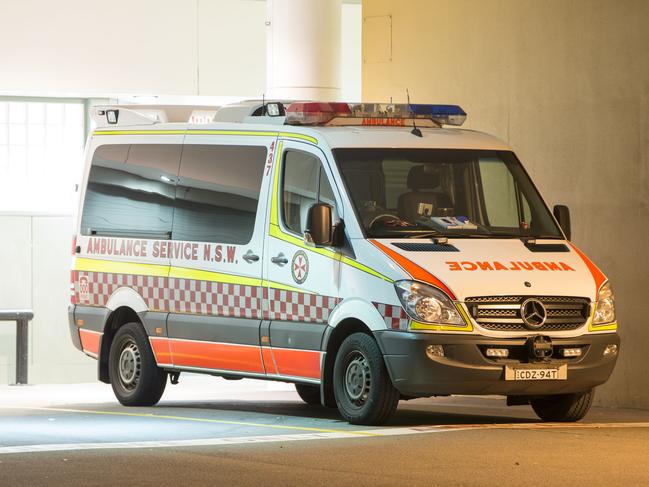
383,216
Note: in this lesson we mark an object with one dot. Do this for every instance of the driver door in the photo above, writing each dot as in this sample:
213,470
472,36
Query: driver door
302,280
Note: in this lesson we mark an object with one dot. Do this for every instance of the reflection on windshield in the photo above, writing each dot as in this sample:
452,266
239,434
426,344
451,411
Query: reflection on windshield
445,192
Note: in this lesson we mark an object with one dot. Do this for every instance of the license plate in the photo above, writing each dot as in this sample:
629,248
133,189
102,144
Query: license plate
559,372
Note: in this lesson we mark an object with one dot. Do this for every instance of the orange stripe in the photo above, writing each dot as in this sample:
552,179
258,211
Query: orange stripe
598,275
224,356
417,273
161,350
298,363
90,341
267,355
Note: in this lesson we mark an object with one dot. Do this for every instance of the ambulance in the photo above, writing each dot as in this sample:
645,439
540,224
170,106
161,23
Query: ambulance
367,253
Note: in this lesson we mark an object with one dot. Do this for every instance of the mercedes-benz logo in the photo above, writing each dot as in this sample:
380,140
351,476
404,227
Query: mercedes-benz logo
533,313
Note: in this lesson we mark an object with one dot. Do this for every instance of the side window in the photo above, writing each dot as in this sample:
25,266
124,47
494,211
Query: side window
304,183
500,194
130,190
218,193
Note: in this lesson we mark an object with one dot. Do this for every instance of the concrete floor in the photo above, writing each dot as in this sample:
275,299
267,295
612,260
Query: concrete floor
250,432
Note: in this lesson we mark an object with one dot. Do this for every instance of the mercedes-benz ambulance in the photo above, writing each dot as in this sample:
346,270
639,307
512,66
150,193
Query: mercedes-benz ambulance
367,253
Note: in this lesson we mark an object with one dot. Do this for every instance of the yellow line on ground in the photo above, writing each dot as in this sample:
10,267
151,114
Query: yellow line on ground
205,420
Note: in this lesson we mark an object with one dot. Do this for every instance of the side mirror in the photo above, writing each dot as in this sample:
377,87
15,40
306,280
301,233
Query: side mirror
562,214
319,230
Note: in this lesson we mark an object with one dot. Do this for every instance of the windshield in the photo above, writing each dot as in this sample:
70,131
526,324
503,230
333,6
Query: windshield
443,192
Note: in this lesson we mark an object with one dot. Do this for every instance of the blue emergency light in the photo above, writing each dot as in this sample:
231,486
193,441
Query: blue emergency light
388,114
443,114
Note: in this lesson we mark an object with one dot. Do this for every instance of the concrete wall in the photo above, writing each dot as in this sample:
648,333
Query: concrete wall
147,47
35,262
566,84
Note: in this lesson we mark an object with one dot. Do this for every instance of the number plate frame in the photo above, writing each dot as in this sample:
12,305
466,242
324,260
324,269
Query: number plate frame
535,372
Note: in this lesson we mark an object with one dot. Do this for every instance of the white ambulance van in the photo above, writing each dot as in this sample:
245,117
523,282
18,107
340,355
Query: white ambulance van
361,251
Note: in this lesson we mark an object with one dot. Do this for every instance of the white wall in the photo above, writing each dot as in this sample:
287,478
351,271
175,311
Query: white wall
162,47
35,260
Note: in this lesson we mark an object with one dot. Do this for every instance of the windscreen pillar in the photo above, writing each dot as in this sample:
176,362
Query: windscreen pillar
303,49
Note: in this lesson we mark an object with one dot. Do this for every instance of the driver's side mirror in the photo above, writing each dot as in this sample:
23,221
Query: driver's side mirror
562,214
319,226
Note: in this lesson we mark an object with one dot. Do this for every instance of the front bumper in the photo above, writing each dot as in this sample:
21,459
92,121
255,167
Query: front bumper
465,369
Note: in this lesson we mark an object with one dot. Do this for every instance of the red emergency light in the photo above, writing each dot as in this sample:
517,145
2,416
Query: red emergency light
374,114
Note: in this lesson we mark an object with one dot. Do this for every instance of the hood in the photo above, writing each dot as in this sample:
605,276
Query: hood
492,267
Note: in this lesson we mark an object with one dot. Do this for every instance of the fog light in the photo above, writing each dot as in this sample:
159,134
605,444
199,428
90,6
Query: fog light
497,352
434,351
571,352
610,350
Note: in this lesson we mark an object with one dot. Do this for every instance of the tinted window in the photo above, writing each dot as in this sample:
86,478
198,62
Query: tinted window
453,192
305,183
130,190
218,192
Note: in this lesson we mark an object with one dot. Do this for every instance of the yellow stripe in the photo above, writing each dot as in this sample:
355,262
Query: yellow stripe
607,327
284,287
416,325
274,206
248,133
115,267
200,275
207,420
291,135
275,231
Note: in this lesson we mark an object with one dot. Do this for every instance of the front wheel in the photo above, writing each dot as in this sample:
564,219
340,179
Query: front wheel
132,369
362,387
563,408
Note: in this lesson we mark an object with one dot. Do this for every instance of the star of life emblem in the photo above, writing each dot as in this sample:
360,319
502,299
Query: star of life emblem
300,267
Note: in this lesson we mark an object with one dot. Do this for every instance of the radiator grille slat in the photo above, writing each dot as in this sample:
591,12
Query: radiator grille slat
503,313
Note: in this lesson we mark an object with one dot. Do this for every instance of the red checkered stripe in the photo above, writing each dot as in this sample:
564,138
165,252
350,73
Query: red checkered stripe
394,316
176,295
296,306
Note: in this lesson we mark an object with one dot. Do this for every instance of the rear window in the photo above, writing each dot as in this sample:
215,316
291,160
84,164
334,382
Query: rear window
131,190
218,193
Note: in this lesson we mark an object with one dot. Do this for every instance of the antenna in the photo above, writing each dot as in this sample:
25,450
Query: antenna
415,130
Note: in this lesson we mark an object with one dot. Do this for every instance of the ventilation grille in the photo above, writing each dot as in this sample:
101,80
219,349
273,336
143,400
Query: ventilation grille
425,247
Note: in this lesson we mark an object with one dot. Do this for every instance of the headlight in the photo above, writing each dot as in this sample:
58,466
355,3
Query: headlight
428,304
605,306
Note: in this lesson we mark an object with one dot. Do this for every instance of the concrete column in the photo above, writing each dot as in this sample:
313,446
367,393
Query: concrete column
303,49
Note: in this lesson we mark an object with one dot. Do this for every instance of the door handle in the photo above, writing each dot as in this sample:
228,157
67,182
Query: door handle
249,257
280,260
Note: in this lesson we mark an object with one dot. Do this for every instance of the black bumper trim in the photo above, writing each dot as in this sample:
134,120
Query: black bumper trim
465,370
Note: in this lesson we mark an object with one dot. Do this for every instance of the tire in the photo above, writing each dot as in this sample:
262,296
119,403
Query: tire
362,387
309,394
563,408
132,369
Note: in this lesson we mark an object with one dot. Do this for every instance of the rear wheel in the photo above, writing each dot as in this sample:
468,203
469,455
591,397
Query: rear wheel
564,407
309,394
132,369
362,387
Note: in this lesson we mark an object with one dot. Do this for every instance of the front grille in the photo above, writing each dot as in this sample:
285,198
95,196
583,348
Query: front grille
503,313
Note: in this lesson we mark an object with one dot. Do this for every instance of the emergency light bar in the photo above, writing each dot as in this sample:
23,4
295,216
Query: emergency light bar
378,114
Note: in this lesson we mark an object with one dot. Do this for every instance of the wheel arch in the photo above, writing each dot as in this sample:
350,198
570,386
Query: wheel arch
116,319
